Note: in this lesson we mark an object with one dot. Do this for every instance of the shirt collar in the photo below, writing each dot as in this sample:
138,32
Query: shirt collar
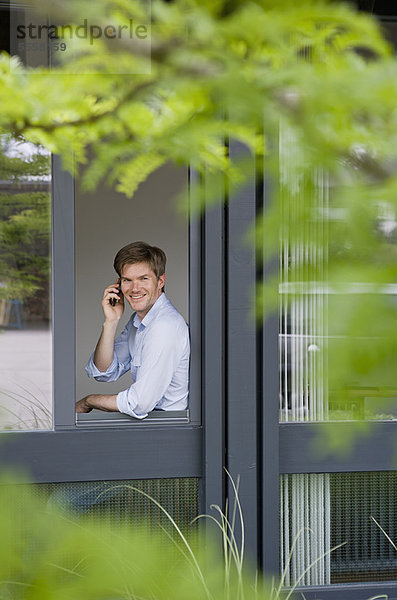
148,318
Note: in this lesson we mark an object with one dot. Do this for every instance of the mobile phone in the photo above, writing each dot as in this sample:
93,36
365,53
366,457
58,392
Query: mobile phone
113,301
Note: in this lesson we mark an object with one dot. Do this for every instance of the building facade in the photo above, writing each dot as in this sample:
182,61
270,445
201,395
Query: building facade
258,396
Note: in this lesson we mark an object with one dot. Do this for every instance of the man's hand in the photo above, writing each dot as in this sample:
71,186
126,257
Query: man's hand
82,406
112,313
101,401
103,355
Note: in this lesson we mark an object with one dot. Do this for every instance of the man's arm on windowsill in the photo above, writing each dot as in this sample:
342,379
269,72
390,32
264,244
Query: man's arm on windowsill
101,401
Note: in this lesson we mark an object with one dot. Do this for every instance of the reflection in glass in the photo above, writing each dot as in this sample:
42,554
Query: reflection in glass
25,297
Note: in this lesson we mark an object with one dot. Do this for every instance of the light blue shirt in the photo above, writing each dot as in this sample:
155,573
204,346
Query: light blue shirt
156,350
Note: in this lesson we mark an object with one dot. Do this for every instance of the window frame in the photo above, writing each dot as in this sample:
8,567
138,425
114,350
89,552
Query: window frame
64,313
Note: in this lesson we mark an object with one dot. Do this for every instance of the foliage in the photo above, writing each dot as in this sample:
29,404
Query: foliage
49,553
24,227
385,533
235,70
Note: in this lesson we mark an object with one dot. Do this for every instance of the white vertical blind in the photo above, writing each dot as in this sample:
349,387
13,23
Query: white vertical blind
305,529
303,328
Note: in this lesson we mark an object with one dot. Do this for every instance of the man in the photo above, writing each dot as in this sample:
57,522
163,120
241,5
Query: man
154,345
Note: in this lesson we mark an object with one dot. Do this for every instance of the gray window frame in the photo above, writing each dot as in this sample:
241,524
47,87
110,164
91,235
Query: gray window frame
64,314
273,448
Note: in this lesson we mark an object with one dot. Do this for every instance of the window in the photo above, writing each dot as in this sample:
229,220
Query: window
25,287
322,511
85,241
316,316
104,222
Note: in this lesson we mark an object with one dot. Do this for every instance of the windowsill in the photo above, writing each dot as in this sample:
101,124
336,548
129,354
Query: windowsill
101,418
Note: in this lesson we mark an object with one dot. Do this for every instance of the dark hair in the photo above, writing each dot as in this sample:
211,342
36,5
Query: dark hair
138,252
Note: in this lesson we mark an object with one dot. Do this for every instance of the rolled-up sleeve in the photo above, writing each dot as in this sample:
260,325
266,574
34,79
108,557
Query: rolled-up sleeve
121,359
160,354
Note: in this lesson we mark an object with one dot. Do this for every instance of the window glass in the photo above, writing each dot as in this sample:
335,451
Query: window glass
25,287
322,511
303,335
105,222
127,502
323,324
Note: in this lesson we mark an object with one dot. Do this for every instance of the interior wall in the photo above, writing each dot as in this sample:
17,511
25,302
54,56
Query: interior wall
105,222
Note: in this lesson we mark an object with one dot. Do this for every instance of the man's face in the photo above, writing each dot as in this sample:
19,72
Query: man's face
140,287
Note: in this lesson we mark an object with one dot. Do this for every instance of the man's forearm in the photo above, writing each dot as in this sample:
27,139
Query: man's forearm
104,402
103,355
